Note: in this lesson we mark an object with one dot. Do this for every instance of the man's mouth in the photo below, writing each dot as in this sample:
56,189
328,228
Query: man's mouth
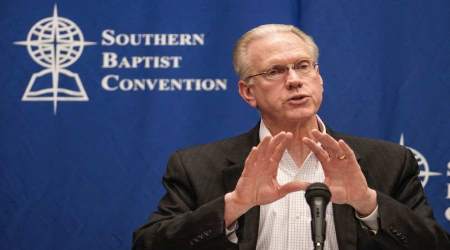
296,99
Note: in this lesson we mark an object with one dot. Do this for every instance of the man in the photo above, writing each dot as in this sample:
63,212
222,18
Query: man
246,192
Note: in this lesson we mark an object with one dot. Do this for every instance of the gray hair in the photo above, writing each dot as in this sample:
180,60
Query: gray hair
240,60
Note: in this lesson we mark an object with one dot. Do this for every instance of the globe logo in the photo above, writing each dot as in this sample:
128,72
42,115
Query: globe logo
55,43
425,172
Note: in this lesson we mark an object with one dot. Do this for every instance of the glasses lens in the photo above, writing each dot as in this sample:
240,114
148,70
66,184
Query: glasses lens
276,72
303,67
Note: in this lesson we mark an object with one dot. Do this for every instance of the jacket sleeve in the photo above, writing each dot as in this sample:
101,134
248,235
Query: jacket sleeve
179,223
406,220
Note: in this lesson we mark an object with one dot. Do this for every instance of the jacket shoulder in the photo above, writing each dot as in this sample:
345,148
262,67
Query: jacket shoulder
370,146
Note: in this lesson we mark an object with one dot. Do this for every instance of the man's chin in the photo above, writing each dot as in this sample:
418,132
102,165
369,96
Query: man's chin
300,115
295,120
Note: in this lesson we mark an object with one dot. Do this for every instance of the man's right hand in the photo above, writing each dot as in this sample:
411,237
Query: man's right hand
258,183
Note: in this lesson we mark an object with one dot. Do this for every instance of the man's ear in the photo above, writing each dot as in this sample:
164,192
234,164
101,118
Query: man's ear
246,92
320,76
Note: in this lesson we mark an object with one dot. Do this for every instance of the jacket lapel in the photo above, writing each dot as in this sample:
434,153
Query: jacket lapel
345,224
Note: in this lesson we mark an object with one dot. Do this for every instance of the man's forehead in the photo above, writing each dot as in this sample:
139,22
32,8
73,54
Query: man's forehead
278,47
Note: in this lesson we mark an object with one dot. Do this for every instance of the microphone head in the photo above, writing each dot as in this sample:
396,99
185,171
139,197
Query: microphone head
317,189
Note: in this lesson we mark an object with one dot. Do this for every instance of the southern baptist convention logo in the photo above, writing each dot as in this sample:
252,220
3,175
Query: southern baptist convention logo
55,43
425,172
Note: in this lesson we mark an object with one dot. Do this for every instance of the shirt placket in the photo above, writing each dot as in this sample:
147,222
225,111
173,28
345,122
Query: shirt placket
293,211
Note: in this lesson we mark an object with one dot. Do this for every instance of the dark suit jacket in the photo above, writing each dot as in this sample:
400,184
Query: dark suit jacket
190,215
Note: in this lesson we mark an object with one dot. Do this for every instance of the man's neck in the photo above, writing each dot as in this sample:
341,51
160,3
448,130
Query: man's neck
296,149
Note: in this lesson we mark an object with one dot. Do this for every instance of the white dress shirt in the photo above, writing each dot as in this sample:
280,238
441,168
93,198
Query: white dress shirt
285,223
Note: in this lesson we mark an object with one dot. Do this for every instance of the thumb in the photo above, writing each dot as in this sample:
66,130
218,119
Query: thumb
293,186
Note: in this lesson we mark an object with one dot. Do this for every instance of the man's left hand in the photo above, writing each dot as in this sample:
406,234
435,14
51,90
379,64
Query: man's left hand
343,174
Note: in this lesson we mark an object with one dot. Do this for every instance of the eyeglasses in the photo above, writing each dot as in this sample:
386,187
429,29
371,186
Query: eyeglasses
278,72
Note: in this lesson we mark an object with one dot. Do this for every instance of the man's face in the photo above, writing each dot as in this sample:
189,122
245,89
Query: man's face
292,99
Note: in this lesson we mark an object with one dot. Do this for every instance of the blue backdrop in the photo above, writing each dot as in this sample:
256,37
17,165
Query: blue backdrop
81,158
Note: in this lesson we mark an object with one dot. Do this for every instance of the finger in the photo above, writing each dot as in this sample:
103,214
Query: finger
347,151
292,187
328,143
262,148
280,137
258,155
249,164
320,153
279,150
276,140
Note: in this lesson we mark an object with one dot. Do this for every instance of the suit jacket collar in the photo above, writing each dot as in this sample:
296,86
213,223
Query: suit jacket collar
238,149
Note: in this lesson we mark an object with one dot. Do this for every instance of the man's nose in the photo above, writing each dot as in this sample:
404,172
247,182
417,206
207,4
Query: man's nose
293,79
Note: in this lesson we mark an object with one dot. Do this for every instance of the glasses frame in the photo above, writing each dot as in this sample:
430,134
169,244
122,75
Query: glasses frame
289,66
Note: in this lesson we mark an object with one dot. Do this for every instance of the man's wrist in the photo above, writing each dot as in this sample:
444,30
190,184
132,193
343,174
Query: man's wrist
367,205
233,208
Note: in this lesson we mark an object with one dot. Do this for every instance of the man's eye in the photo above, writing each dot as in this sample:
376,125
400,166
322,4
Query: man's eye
275,71
302,66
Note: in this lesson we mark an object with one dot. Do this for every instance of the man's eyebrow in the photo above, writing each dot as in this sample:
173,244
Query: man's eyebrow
303,59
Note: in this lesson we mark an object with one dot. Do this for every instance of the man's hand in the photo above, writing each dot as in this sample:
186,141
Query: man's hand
258,183
343,174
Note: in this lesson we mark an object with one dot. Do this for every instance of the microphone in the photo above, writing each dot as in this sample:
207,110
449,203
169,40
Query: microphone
318,195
